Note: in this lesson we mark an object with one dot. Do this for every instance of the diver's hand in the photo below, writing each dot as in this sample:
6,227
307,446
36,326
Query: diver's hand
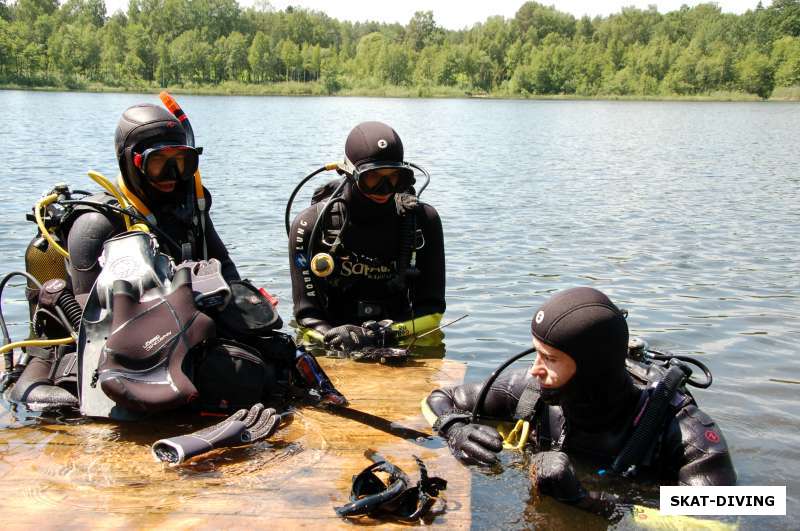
474,444
350,337
243,427
553,475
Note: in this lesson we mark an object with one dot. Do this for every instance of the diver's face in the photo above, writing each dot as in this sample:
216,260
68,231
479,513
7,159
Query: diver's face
552,367
381,179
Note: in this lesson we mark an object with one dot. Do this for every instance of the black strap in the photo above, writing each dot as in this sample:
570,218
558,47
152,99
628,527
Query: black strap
528,401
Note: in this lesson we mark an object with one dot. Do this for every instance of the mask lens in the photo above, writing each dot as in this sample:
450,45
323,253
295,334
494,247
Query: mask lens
381,181
182,158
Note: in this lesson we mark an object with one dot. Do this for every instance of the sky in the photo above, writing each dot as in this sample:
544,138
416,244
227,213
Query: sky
458,14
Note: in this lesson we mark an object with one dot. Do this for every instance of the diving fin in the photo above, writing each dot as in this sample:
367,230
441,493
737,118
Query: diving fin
92,337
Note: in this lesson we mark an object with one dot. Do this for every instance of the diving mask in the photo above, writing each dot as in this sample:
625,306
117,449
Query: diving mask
167,162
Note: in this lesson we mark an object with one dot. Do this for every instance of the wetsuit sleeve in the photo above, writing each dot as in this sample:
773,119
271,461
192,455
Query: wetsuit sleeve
696,451
501,400
217,249
85,244
308,309
429,287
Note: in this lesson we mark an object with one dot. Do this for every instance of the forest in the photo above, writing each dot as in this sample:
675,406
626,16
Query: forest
219,46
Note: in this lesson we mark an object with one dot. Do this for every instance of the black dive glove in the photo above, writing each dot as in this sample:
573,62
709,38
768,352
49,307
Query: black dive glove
474,444
553,475
243,427
353,337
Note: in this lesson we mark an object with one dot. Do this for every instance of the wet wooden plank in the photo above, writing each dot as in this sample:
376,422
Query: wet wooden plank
102,475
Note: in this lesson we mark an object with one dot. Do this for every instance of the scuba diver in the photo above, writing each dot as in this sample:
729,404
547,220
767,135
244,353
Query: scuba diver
367,257
151,335
578,400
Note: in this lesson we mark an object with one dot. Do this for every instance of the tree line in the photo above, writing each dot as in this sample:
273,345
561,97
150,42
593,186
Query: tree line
540,50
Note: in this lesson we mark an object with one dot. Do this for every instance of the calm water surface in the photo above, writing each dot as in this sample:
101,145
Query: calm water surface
686,214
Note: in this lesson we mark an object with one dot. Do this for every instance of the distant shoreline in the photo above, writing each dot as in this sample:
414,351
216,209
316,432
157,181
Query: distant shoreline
790,94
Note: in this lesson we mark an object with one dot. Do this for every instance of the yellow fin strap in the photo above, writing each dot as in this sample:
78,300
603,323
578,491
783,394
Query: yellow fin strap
518,436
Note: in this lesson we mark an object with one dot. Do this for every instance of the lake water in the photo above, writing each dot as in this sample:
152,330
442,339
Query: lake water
686,214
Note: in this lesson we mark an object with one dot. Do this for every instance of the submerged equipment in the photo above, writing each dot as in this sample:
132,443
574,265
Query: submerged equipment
397,498
243,427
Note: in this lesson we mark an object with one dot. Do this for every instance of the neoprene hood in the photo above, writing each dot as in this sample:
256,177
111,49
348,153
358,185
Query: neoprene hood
140,127
373,145
586,325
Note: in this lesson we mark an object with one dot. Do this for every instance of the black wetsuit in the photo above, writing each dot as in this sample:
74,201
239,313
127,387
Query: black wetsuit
691,450
366,266
90,229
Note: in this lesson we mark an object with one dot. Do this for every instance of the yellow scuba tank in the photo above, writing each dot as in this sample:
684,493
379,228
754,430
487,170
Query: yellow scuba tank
44,262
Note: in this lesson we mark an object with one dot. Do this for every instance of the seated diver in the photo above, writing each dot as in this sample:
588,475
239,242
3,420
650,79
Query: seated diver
581,402
367,260
159,180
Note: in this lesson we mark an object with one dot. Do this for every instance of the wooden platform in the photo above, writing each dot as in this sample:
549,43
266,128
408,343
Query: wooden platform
102,475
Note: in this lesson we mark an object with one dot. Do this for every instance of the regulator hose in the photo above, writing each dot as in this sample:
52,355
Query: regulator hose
408,230
666,356
476,411
288,213
72,310
131,213
8,356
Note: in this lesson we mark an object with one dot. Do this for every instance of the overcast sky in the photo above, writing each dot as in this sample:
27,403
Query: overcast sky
457,14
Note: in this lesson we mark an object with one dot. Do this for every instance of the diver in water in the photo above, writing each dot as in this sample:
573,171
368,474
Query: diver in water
580,401
162,337
369,255
157,168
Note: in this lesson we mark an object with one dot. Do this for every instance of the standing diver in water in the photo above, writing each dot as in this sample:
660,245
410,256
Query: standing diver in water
162,337
579,400
367,259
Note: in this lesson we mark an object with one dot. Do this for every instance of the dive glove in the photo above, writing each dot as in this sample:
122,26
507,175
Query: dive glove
353,337
243,427
553,475
474,444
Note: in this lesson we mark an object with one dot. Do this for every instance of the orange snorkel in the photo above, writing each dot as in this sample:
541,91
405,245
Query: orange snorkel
171,104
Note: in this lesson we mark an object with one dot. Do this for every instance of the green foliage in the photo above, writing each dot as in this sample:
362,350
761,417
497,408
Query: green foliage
695,52
755,74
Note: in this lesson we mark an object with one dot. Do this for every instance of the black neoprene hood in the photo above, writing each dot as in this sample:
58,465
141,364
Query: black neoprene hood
140,127
372,145
584,323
